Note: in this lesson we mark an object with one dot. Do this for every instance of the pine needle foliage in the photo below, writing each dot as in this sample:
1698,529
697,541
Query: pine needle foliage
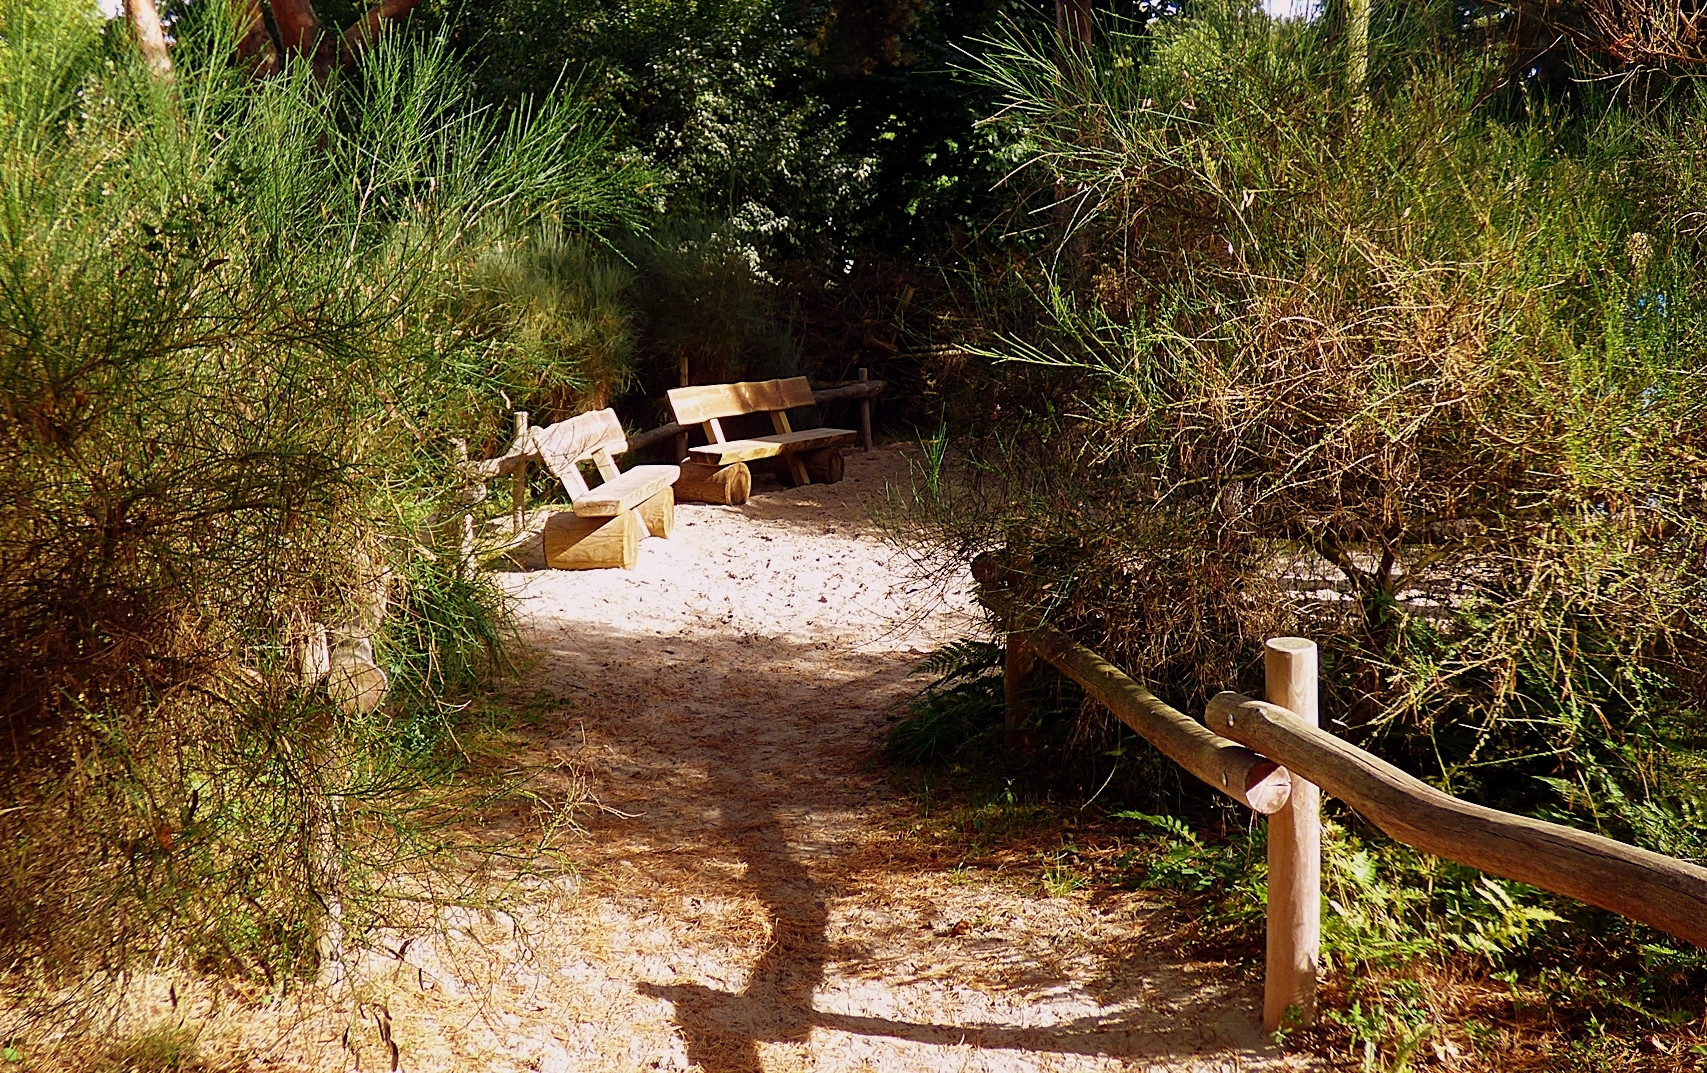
234,345
1411,380
1412,369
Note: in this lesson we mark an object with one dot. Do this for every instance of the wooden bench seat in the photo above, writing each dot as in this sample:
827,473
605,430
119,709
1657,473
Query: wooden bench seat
626,491
709,405
770,446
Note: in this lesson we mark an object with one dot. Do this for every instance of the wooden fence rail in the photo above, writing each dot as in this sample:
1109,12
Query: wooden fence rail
1648,887
1236,771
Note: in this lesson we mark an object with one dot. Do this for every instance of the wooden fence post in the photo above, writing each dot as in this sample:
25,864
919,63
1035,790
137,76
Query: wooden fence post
864,414
1294,851
1019,666
519,487
464,519
682,436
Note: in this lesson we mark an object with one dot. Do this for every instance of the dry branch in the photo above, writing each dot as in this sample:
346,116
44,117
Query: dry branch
1241,774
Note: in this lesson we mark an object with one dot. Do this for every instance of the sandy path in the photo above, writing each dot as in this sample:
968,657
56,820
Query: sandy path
745,897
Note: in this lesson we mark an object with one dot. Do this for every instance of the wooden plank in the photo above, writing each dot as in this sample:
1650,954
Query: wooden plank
625,491
606,465
573,482
576,439
771,446
563,445
870,389
793,393
724,454
1252,780
693,405
1656,890
796,468
1294,853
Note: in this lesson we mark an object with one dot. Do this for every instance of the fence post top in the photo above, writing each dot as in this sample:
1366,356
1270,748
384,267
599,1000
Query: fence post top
1289,644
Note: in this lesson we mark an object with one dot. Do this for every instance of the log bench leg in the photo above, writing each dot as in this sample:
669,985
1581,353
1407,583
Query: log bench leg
658,513
702,483
825,465
576,543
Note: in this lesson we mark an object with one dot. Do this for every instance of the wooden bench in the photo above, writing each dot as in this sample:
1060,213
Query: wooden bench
707,406
606,523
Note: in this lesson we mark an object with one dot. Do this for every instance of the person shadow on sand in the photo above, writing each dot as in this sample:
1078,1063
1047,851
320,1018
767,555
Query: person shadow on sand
722,1031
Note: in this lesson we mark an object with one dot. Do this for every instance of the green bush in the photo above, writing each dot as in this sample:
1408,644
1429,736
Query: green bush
1420,385
1415,375
957,712
234,342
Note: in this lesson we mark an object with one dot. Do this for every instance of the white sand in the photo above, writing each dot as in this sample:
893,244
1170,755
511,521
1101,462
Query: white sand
747,891
746,898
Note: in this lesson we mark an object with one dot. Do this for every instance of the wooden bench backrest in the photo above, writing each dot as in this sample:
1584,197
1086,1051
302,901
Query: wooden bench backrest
695,405
596,435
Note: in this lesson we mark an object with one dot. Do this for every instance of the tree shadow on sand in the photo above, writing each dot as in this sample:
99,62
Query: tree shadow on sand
717,747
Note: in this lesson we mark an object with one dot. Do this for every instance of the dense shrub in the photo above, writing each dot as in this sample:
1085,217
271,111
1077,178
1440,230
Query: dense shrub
1415,373
235,339
1421,385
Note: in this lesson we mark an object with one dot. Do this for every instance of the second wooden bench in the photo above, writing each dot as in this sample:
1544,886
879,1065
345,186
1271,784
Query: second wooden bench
802,451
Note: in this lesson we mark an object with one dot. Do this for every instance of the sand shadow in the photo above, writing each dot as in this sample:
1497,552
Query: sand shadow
696,772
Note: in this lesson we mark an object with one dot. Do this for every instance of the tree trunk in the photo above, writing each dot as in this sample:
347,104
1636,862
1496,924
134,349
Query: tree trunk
256,47
1073,23
298,25
1357,60
301,31
150,36
367,28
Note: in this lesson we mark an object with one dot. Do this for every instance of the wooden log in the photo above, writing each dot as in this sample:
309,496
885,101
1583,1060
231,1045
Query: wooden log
1656,890
1294,853
700,483
658,513
661,434
519,480
824,466
865,414
858,389
353,679
576,543
1019,667
1252,780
